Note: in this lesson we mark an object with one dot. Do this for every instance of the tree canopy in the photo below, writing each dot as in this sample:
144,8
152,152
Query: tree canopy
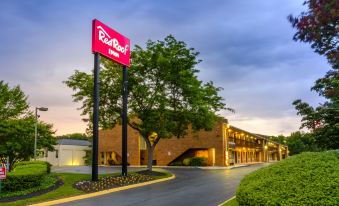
319,27
17,127
13,101
301,142
79,136
165,95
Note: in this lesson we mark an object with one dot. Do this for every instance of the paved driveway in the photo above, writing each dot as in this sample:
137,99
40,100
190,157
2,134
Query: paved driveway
191,187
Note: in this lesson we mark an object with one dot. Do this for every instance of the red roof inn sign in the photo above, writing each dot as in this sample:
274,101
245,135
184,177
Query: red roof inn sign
110,43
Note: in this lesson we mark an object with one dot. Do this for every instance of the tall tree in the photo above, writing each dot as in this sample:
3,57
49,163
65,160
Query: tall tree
299,142
17,139
79,136
13,101
17,127
319,27
165,95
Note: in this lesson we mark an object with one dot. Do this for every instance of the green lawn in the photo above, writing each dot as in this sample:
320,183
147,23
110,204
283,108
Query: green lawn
66,190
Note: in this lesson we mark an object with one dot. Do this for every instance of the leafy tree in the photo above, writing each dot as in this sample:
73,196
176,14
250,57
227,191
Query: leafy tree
79,136
13,101
281,139
319,27
17,127
17,138
299,142
165,95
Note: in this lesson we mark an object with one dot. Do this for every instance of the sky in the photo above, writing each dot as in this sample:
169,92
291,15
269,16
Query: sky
246,47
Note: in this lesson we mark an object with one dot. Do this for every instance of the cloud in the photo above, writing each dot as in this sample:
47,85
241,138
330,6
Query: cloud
246,48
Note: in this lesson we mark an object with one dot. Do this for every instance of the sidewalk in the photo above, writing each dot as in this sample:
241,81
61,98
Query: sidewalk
104,169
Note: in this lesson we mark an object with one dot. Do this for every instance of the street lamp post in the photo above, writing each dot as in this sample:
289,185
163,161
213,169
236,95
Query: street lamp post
43,109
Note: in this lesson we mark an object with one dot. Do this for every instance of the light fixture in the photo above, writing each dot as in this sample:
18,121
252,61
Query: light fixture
43,109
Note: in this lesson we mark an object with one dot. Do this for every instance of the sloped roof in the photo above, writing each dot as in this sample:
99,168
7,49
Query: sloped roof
76,142
260,136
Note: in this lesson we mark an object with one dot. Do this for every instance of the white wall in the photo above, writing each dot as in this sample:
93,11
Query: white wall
68,155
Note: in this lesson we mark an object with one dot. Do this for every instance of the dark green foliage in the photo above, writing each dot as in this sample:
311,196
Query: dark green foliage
13,102
17,127
88,157
310,178
46,182
319,27
79,136
299,142
198,161
26,175
17,138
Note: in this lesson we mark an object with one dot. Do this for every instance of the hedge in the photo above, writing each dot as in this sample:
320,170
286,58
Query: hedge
198,161
307,179
33,164
26,175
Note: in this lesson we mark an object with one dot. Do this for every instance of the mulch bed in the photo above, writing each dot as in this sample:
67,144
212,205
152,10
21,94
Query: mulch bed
151,173
58,184
116,181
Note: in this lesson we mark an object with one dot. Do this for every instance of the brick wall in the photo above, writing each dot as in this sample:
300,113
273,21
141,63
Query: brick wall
110,141
167,149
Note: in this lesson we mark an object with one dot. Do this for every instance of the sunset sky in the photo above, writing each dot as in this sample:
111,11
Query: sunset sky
246,48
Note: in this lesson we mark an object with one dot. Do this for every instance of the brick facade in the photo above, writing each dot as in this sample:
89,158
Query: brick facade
215,145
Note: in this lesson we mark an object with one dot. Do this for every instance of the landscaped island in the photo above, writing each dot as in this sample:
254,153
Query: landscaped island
310,178
32,182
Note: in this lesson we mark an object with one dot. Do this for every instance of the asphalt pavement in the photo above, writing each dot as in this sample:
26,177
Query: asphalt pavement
190,187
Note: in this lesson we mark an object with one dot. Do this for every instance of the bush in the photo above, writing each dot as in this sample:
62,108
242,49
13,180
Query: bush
26,175
47,181
198,161
187,162
30,164
306,179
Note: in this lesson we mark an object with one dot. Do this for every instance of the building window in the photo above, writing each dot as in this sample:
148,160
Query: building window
56,153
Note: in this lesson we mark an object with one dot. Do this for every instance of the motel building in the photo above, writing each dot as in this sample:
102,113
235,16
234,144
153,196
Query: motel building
225,145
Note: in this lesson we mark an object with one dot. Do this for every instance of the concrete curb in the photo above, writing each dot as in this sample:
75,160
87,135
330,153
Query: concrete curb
189,167
104,192
226,201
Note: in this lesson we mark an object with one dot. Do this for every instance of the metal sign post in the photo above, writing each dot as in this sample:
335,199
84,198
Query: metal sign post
124,120
95,145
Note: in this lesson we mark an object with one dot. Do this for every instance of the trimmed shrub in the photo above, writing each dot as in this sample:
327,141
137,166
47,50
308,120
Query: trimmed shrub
29,164
307,179
47,181
198,161
186,162
26,175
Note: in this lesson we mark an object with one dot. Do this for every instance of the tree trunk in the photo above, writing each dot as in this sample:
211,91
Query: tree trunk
11,162
149,157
